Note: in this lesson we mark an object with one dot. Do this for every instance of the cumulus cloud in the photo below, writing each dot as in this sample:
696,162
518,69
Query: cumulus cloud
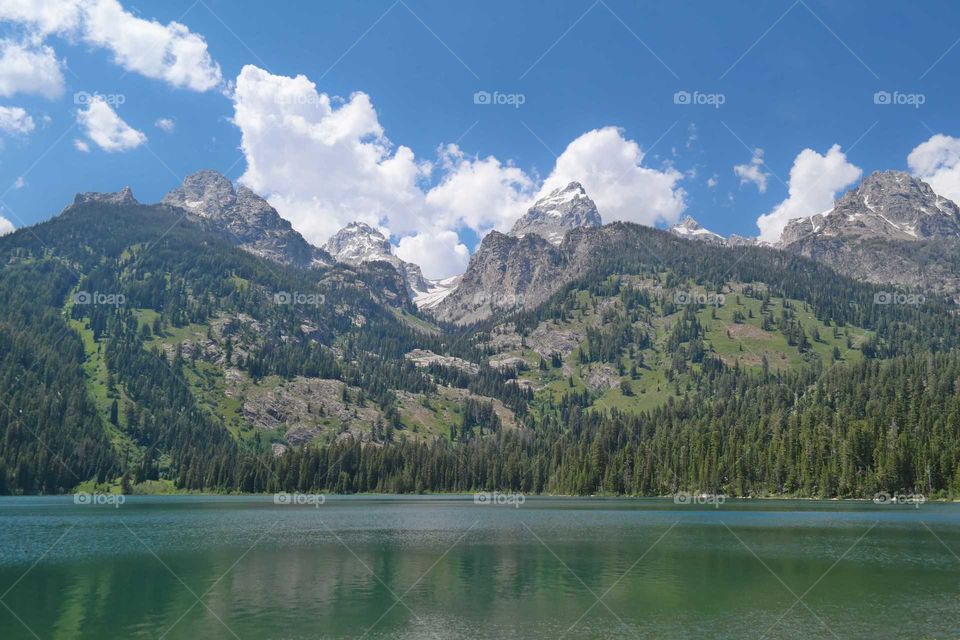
752,173
108,130
170,52
167,125
609,167
814,182
324,162
29,69
6,226
713,181
43,16
937,162
440,254
478,193
320,162
15,121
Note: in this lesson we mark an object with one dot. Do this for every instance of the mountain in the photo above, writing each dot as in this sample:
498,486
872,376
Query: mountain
360,244
552,216
246,218
892,228
523,268
690,228
889,205
142,349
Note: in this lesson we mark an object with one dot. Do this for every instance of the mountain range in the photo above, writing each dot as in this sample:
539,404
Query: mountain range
201,343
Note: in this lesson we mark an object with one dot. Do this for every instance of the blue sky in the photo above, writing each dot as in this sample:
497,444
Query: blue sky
790,75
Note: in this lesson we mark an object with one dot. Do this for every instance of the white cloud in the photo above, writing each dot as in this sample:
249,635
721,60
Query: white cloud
752,173
29,69
6,226
478,193
19,183
609,168
937,162
713,181
104,127
324,162
167,125
43,16
440,254
15,121
814,182
170,52
81,146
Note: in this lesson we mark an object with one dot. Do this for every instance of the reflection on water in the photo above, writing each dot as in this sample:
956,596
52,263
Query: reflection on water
443,567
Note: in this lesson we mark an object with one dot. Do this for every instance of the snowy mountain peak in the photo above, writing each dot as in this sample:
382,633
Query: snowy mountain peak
561,210
693,230
357,243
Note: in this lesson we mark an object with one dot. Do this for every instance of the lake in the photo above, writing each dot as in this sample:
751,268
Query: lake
445,567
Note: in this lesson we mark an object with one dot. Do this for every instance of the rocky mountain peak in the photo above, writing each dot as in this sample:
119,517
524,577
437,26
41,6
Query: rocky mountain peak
122,197
561,210
357,243
208,193
693,230
890,205
247,219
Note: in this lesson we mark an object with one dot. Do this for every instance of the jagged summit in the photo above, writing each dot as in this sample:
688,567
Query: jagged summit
558,212
890,205
690,228
245,217
357,243
122,197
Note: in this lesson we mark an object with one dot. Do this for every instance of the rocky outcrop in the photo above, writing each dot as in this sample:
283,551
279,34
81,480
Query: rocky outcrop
124,197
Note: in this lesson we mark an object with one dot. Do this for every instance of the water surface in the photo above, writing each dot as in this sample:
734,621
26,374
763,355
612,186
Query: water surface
444,567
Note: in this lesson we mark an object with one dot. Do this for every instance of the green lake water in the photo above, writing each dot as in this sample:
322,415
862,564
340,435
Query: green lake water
444,567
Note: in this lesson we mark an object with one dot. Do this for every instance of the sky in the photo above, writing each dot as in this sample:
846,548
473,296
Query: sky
439,121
